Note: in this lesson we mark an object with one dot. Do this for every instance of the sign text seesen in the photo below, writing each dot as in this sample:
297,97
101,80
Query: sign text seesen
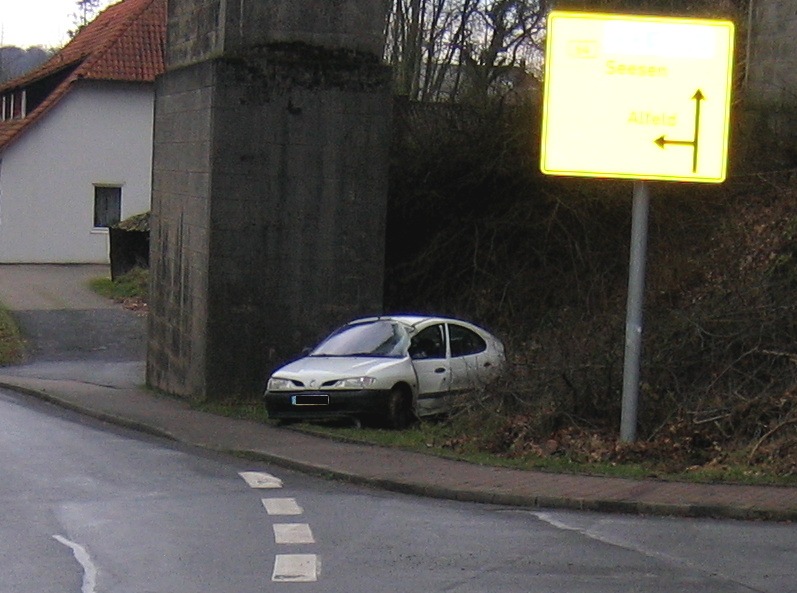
637,97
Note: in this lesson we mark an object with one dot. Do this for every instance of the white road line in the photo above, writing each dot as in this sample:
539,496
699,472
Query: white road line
261,480
293,533
282,506
295,568
617,541
82,556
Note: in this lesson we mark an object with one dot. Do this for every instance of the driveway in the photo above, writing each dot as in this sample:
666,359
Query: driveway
72,332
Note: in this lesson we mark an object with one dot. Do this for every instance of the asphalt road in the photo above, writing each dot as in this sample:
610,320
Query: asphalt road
89,507
73,333
51,287
92,508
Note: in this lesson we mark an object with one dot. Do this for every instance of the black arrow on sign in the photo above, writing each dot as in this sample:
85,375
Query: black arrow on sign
662,141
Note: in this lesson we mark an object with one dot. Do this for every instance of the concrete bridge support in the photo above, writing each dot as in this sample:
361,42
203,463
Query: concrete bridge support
269,186
770,85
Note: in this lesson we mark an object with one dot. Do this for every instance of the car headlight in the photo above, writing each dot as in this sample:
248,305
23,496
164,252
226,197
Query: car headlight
354,383
278,384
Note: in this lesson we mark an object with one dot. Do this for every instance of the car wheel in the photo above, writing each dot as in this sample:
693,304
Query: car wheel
399,409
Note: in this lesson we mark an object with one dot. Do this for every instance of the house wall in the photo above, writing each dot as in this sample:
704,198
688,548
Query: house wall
97,134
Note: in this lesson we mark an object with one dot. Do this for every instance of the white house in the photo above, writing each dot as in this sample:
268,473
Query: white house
76,139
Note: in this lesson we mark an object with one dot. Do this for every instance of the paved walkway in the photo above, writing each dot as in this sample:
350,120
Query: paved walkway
51,287
126,404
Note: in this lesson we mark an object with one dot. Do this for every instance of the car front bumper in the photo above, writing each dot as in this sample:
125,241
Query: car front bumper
297,405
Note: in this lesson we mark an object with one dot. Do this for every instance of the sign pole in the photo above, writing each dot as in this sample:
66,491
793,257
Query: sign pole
633,322
655,110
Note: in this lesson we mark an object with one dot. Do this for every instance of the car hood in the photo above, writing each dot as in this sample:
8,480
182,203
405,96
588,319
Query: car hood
328,368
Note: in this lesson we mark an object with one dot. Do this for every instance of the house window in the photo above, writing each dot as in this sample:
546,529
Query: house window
20,105
107,205
13,105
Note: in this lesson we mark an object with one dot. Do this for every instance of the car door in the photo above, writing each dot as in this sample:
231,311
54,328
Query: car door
429,354
469,364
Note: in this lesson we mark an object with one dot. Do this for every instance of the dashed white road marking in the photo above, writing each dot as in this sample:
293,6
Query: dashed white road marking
261,480
293,533
282,506
295,568
288,568
83,557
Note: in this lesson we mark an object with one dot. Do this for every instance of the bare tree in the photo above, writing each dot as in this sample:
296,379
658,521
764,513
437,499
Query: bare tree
85,13
462,50
504,38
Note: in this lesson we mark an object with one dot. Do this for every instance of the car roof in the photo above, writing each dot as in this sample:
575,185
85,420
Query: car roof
411,320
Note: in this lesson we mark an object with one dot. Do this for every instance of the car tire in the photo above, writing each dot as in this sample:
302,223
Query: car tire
399,409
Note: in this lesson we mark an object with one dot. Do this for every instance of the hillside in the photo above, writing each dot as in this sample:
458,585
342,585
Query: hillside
544,262
15,61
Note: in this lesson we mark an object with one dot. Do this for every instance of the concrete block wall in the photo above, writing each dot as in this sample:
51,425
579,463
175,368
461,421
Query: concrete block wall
773,53
298,211
180,231
323,23
770,93
195,32
204,29
269,190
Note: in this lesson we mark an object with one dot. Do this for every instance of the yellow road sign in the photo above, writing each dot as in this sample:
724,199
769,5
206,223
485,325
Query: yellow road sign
637,97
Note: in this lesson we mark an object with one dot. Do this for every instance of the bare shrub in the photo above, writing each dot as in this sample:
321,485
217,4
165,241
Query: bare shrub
475,230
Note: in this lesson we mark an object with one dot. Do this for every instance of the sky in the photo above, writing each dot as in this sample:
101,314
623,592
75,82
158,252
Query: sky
26,23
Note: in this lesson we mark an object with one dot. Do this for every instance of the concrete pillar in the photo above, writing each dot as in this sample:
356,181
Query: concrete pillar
269,186
770,84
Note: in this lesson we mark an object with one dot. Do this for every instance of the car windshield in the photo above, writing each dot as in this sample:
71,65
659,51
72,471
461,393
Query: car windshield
374,338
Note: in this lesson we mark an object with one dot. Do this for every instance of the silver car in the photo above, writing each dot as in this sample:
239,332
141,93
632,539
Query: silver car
393,369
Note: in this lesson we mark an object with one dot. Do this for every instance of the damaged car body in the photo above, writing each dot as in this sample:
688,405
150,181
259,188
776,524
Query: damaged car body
390,369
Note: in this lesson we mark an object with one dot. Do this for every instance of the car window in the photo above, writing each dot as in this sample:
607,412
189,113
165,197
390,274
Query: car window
464,341
428,343
375,338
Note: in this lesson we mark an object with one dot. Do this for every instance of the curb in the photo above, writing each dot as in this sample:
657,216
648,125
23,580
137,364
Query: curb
101,416
535,502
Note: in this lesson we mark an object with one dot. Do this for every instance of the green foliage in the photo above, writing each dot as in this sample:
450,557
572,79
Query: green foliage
245,410
12,346
133,285
138,222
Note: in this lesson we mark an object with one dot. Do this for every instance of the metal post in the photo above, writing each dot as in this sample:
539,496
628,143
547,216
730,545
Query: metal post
633,322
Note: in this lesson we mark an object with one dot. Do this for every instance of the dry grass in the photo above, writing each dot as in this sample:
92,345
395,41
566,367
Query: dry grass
12,346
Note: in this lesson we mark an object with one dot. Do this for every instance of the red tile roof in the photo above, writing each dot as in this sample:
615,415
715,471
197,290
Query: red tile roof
124,43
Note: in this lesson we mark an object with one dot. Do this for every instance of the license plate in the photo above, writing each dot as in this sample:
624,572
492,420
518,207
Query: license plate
310,400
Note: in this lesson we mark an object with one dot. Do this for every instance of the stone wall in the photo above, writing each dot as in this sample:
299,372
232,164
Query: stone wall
770,89
204,29
180,231
269,192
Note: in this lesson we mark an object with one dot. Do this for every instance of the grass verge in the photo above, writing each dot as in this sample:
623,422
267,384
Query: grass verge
133,285
438,438
12,346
